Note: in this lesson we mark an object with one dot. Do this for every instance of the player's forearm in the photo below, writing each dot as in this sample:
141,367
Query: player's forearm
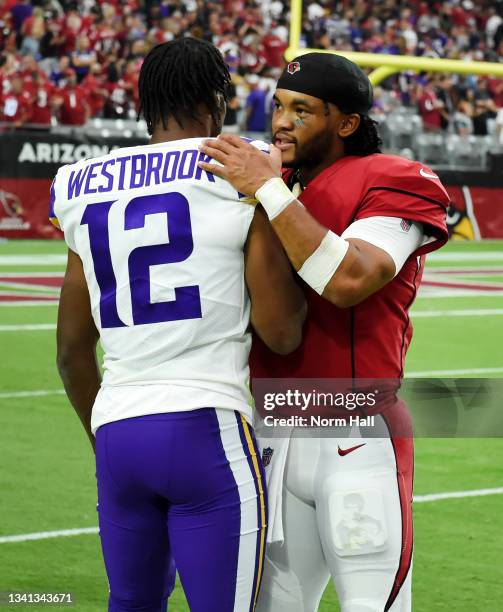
81,378
299,233
283,309
359,275
278,305
347,273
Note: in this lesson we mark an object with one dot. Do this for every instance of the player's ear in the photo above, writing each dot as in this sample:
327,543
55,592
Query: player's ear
348,125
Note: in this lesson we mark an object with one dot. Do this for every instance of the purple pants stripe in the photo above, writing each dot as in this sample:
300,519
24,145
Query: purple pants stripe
174,488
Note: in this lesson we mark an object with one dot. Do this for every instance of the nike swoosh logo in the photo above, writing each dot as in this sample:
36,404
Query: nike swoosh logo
423,172
344,452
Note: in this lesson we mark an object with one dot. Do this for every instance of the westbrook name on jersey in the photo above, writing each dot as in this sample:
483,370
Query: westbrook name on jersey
161,242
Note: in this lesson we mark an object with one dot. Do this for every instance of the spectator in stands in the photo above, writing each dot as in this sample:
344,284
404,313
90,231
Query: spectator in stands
51,43
83,58
484,108
7,71
273,49
73,24
385,100
256,113
26,67
493,22
43,100
138,52
280,29
32,30
130,79
117,104
499,127
72,101
255,33
443,90
16,104
231,116
97,92
315,11
465,110
430,106
20,12
57,75
252,53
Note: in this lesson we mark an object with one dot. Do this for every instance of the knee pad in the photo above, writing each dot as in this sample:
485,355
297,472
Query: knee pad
357,523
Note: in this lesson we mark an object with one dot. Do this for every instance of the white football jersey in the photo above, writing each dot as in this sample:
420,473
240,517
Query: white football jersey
161,243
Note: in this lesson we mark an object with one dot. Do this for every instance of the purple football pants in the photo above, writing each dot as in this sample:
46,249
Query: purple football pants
184,488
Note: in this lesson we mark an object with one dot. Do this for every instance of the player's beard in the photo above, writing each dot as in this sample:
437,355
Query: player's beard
310,153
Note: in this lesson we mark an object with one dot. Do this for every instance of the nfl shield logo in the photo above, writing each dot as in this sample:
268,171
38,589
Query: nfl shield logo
293,67
267,455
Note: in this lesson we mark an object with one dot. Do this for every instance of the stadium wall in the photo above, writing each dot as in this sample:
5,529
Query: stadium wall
29,161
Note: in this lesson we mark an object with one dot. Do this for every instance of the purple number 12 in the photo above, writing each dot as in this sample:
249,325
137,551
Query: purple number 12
187,302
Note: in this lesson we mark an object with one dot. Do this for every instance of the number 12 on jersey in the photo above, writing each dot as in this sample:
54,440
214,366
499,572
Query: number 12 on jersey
187,302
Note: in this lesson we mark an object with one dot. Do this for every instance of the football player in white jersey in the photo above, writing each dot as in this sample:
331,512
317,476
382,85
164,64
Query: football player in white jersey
167,266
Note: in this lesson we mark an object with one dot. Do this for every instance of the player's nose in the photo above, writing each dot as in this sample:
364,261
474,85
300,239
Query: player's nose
282,122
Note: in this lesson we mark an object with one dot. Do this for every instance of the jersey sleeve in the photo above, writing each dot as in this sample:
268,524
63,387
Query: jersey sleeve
410,191
258,144
396,237
55,214
52,200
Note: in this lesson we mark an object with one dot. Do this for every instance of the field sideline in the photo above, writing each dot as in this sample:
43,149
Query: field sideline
47,476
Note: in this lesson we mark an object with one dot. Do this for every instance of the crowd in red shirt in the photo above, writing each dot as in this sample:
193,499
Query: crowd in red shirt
80,59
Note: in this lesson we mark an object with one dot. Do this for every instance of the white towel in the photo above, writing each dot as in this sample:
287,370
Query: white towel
277,450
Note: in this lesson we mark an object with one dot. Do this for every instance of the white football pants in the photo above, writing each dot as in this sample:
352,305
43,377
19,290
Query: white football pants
347,515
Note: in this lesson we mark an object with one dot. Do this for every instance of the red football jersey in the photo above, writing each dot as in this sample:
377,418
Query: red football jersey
73,111
42,104
368,340
95,91
15,107
274,48
429,112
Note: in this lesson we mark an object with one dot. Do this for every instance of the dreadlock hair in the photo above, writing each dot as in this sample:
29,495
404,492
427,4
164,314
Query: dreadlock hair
365,140
177,76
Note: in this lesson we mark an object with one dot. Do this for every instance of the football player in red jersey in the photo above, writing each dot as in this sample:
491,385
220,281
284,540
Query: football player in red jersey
356,225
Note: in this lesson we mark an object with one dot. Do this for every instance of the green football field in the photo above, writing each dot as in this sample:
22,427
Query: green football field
48,535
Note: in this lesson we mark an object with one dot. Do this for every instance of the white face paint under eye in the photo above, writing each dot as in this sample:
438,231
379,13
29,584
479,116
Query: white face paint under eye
298,122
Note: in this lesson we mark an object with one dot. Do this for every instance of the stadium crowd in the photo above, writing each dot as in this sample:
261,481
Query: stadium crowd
66,61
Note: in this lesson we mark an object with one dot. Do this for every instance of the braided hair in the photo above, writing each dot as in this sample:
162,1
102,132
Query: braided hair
365,140
177,76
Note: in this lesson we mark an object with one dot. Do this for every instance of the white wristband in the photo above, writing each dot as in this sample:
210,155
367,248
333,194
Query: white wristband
274,196
321,265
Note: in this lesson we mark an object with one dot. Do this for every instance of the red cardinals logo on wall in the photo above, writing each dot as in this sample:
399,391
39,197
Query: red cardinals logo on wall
293,67
11,212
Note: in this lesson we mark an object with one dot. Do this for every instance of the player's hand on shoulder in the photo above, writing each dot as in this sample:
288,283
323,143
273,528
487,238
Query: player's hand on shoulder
245,166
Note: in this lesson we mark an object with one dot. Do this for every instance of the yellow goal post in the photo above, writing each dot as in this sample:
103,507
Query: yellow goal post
385,65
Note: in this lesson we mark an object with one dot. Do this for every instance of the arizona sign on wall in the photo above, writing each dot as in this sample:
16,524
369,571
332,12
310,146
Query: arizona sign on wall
29,161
